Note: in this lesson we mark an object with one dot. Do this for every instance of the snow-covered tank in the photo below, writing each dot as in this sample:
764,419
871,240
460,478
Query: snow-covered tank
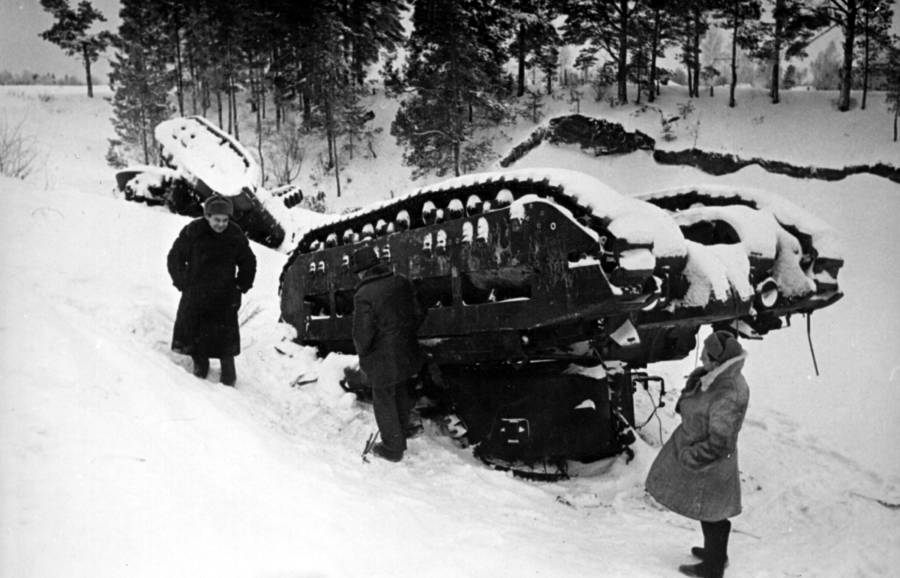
200,159
545,290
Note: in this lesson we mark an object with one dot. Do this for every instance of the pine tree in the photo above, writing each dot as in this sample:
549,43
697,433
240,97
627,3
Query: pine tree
174,12
536,38
202,57
334,80
371,25
735,16
663,32
355,123
455,78
790,78
875,36
252,31
607,25
787,35
639,55
691,21
892,79
547,61
845,13
70,32
139,78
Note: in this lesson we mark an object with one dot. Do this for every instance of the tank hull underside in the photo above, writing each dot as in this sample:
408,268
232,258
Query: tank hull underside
528,283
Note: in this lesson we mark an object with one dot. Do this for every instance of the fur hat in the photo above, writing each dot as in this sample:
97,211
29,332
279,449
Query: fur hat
721,346
218,205
364,258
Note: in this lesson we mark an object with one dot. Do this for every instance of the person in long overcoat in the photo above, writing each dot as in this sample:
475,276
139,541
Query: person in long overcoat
696,472
211,263
386,318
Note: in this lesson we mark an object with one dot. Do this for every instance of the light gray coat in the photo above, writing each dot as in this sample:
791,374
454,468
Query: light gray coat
696,472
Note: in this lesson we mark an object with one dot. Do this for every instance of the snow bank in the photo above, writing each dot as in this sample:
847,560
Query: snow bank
115,461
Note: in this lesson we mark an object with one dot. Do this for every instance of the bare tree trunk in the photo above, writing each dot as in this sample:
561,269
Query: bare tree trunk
337,168
896,114
219,105
734,33
623,52
351,141
206,101
695,53
865,62
259,132
332,139
639,76
262,94
192,72
232,90
654,49
776,56
179,74
306,102
690,74
276,89
144,143
87,72
230,129
458,124
521,58
849,39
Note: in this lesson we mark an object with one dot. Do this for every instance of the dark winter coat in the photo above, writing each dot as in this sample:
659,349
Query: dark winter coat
386,317
696,472
211,270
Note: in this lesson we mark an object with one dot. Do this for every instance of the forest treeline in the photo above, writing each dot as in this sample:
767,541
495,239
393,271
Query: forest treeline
456,66
27,77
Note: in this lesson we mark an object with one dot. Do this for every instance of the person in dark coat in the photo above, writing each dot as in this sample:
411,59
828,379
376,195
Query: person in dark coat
211,263
696,472
386,318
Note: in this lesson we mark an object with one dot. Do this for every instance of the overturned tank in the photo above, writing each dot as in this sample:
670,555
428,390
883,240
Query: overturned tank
199,160
547,292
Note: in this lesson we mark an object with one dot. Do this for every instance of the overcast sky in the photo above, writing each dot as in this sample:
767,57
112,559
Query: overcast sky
22,49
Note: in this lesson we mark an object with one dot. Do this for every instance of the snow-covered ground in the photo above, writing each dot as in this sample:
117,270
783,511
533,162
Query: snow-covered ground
115,461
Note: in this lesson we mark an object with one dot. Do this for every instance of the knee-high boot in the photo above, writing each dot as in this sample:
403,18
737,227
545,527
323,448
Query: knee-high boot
229,375
714,552
701,551
719,545
201,366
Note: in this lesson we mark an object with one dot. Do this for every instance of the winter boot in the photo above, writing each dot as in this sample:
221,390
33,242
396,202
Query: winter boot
382,452
714,553
201,366
700,553
709,528
702,570
229,377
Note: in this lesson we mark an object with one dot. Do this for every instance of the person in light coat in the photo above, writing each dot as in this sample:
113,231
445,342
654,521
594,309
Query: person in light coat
386,318
696,472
